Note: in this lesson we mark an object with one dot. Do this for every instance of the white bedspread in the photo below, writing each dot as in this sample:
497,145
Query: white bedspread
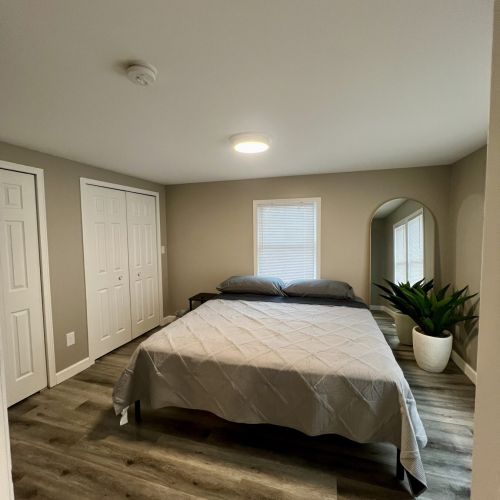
315,368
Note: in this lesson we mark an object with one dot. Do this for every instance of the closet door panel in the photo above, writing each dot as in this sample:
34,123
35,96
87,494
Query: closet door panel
23,337
107,273
143,262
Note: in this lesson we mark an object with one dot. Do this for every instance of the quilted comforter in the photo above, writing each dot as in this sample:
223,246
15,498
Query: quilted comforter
316,368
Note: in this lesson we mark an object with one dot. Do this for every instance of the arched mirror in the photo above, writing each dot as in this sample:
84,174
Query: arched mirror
402,244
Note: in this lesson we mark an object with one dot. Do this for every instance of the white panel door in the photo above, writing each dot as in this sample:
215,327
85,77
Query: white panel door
143,262
23,340
106,269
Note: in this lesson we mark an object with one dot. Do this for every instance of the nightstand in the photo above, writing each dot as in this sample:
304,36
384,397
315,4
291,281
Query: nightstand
200,297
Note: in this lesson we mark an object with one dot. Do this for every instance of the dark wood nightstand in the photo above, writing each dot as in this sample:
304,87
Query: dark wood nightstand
200,297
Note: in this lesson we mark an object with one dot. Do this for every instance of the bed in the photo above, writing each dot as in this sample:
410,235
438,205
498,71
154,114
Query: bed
320,366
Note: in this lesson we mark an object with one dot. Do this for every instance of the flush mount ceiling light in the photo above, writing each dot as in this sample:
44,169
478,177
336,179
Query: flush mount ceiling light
142,74
250,143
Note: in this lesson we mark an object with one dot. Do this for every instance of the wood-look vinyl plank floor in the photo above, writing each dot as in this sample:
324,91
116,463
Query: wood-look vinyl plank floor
66,444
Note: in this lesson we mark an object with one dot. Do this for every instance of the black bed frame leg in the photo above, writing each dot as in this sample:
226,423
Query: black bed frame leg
400,472
137,411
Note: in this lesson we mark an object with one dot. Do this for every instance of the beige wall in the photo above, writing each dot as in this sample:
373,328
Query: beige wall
210,225
210,230
62,186
466,234
485,462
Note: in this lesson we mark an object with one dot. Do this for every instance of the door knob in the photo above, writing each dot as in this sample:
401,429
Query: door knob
120,277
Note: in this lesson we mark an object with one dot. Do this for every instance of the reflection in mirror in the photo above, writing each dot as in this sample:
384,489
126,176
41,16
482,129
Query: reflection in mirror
402,244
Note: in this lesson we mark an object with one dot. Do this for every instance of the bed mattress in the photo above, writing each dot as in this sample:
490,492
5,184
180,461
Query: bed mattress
316,368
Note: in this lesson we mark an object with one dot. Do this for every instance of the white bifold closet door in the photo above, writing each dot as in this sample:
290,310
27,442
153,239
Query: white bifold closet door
22,327
107,270
143,262
121,261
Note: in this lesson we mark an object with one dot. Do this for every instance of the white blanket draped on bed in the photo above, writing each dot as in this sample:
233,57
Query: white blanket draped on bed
316,368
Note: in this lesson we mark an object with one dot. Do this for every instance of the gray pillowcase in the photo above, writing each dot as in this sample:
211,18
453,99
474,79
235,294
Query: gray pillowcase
261,285
319,288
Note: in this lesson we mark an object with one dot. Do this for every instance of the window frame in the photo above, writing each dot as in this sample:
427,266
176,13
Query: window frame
288,201
404,222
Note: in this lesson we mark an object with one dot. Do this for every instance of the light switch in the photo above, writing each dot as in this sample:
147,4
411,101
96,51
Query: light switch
163,249
70,339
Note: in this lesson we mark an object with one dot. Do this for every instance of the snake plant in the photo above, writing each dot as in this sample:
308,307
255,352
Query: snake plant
433,311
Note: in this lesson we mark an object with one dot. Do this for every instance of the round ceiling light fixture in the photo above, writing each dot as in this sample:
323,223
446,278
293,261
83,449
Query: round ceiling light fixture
142,74
250,143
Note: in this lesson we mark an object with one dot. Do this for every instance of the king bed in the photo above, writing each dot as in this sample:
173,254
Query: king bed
318,365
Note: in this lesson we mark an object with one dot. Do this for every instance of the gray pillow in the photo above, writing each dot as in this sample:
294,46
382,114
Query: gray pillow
261,285
319,288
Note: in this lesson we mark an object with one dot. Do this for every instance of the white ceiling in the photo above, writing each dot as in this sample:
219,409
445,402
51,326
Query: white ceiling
339,85
388,207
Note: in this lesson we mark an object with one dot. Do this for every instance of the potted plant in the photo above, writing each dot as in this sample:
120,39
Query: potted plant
405,324
404,328
435,313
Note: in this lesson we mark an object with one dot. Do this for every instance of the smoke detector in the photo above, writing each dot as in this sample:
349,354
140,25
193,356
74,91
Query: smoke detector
142,74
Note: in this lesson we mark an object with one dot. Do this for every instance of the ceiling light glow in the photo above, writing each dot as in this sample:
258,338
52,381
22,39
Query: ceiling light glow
250,143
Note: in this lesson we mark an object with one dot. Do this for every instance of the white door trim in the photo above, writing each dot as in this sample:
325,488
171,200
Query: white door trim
44,263
92,182
6,483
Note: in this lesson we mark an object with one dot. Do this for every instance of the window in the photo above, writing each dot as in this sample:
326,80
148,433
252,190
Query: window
287,238
409,249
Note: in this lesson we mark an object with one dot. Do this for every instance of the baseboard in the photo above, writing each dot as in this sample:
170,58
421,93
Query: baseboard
167,319
73,370
385,309
464,366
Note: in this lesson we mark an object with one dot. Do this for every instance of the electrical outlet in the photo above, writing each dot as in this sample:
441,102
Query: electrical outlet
70,339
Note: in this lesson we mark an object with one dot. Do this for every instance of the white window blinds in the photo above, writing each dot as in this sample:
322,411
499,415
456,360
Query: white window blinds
415,239
400,253
287,238
409,249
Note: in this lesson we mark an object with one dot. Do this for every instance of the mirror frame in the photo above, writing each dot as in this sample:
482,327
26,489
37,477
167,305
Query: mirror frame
370,222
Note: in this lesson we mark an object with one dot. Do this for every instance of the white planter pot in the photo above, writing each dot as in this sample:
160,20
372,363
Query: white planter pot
404,328
431,353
